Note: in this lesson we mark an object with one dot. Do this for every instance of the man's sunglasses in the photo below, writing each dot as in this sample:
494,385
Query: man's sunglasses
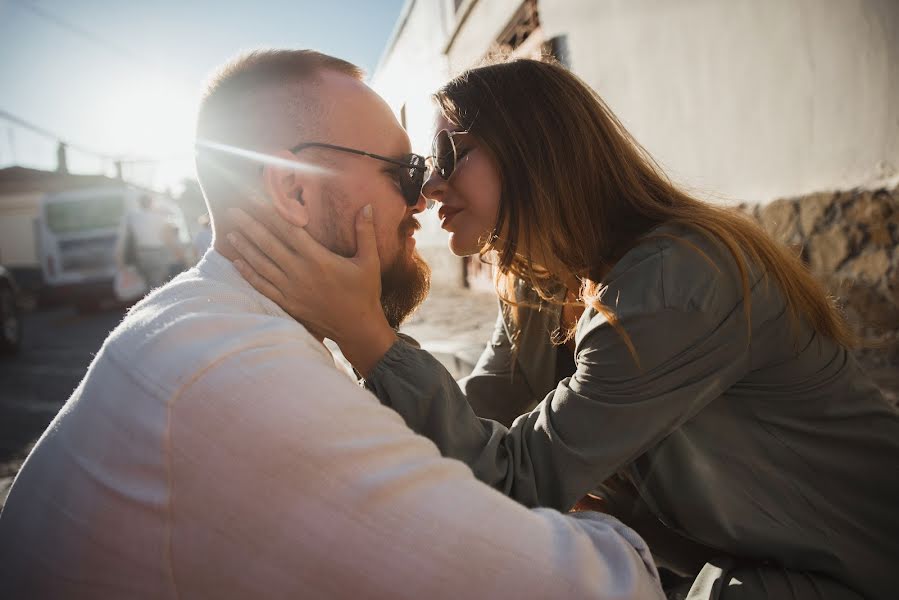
411,169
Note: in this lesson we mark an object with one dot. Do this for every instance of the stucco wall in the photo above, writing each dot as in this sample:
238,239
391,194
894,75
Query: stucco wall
483,24
410,70
746,99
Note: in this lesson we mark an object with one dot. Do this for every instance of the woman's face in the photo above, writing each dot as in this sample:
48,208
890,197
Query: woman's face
469,200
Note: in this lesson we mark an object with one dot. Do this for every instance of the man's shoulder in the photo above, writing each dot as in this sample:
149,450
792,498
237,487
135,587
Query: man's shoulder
193,323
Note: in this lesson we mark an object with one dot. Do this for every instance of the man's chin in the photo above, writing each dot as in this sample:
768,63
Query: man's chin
404,286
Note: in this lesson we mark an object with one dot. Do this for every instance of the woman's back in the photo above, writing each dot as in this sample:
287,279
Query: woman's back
768,446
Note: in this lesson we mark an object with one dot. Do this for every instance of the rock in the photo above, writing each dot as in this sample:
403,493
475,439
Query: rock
827,250
868,309
780,219
880,236
868,207
871,267
812,210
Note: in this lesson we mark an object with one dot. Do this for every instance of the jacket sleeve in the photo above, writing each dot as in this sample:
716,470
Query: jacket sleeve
496,388
610,412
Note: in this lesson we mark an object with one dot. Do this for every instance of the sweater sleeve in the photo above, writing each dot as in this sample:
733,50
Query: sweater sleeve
611,411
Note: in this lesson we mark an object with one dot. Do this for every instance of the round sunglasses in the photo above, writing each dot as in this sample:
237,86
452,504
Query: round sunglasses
444,156
411,169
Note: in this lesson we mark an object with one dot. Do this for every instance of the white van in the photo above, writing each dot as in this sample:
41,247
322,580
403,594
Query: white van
79,234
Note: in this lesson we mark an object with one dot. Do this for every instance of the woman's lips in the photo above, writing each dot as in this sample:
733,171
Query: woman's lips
446,215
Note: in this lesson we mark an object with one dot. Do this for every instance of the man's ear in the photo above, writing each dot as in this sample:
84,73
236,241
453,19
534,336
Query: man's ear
285,186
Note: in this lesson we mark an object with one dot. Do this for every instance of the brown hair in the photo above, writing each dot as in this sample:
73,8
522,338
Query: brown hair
260,101
542,125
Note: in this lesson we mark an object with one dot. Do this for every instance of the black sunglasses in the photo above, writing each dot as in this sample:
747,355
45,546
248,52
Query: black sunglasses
443,152
412,169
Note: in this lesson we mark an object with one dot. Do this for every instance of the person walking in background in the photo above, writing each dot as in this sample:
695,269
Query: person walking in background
655,356
149,242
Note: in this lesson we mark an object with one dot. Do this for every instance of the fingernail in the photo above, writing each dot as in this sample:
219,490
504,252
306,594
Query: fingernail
232,238
366,212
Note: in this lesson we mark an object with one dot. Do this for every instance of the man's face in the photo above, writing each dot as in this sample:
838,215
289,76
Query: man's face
358,118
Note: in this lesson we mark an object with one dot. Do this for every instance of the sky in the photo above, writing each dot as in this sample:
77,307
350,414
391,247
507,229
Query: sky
123,78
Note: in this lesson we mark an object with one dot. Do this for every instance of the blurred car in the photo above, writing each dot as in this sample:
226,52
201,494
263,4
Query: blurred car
10,314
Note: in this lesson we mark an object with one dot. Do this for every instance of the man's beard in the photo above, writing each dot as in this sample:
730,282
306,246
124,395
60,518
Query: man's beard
404,286
405,283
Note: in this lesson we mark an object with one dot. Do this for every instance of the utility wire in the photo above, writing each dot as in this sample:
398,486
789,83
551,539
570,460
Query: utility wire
7,116
49,134
95,39
83,33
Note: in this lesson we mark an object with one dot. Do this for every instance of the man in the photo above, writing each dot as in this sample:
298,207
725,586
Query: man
148,241
214,450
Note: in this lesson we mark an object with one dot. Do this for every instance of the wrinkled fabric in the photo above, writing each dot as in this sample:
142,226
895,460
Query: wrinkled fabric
213,450
761,440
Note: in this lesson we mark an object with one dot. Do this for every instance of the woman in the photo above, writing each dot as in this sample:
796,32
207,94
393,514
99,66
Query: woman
695,375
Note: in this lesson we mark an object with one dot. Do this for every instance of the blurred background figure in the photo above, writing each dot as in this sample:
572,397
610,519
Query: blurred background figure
150,242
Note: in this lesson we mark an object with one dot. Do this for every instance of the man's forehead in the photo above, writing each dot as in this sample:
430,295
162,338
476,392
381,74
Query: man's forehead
357,117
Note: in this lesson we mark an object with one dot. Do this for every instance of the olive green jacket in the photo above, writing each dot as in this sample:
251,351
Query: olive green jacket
764,442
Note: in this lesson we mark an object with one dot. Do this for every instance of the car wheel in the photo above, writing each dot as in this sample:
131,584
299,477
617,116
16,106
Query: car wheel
10,322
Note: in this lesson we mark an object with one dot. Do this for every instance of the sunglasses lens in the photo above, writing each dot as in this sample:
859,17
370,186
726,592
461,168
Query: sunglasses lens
413,179
444,154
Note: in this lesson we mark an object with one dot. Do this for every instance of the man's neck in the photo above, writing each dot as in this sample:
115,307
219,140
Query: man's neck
222,246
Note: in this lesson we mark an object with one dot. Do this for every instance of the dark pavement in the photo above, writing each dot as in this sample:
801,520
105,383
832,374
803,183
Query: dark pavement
57,348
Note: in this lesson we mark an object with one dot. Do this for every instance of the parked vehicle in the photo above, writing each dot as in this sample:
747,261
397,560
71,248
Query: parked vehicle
81,232
10,314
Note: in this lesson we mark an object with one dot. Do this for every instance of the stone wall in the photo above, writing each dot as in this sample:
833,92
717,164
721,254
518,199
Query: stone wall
850,239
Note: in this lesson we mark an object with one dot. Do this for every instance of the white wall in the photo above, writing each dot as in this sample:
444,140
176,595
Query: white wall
484,23
746,99
409,72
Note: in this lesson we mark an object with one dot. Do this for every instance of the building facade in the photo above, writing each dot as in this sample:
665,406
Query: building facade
740,101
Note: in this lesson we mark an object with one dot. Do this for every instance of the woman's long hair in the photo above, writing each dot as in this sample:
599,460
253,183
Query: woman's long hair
575,183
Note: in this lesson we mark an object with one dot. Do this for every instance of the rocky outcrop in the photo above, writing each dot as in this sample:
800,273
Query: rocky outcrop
850,240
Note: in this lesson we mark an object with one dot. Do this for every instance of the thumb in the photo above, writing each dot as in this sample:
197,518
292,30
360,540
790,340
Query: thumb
366,243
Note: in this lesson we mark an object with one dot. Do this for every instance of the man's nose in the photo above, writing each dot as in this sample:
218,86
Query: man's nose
434,187
421,205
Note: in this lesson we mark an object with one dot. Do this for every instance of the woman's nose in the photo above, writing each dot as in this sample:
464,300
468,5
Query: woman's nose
434,187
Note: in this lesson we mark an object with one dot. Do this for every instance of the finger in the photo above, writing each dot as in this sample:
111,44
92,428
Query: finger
298,242
285,231
262,285
366,242
255,259
261,237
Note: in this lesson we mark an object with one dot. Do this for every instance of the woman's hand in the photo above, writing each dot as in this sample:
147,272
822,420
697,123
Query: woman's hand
332,296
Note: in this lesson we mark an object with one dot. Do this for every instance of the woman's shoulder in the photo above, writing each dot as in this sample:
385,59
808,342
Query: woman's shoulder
676,267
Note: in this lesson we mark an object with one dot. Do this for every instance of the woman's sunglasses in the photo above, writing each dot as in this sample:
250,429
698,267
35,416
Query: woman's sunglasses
412,169
443,153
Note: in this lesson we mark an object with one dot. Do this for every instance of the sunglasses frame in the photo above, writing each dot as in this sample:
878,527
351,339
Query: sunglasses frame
416,164
436,158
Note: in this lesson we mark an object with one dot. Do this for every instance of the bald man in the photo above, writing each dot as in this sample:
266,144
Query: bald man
214,450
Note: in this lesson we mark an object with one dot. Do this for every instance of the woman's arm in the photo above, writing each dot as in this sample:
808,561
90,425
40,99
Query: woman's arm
692,344
609,413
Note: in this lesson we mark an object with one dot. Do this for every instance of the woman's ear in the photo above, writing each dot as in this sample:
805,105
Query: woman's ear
285,186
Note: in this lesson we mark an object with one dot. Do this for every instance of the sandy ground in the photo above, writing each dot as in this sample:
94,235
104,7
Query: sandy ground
454,324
